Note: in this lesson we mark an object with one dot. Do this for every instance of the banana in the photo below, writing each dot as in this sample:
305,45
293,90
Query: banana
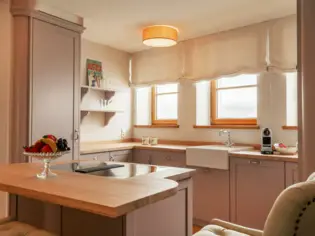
51,143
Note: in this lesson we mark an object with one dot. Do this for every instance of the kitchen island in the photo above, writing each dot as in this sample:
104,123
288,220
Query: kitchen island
133,200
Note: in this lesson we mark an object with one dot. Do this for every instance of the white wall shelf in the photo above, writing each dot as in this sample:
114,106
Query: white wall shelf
102,110
108,113
102,89
106,94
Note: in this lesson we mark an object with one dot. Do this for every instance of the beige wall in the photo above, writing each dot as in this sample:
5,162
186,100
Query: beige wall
5,80
116,70
271,112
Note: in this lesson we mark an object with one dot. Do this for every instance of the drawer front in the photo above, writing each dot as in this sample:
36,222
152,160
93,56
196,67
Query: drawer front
169,159
121,156
142,156
96,156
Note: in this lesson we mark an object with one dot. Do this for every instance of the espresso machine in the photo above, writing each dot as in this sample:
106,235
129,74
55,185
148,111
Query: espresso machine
266,141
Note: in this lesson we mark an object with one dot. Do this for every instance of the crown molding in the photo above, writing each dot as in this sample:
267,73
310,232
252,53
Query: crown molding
39,10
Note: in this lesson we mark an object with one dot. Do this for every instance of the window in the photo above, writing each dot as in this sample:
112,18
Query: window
203,103
142,106
291,100
165,104
234,101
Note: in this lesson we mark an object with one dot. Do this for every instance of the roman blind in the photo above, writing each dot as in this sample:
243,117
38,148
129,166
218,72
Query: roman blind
157,65
233,52
283,44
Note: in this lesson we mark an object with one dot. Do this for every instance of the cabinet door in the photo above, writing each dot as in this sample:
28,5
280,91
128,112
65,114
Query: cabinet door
211,195
255,185
291,174
54,84
163,158
121,156
142,156
164,218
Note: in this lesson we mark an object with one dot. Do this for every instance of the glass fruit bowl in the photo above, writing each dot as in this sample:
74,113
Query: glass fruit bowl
46,157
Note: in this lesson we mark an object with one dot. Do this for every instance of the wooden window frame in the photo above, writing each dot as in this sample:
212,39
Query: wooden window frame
156,122
214,106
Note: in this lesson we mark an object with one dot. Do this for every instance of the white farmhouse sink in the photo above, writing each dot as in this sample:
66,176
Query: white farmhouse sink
213,156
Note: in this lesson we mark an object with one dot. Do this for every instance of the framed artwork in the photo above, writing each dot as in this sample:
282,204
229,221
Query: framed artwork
94,73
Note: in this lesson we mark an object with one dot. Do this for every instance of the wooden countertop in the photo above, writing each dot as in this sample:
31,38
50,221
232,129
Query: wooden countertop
88,148
255,154
99,195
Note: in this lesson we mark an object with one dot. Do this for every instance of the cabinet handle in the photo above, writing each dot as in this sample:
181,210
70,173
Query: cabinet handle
95,158
254,162
76,135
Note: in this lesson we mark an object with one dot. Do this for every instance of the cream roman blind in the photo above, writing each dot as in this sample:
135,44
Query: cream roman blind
157,65
283,44
233,52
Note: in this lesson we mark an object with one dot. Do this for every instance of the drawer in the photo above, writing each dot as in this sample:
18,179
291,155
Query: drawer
121,156
142,156
174,159
104,156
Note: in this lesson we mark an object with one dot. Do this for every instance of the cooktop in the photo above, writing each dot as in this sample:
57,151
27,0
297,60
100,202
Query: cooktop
108,169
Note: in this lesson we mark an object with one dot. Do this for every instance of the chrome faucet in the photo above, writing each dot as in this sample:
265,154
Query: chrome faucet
228,142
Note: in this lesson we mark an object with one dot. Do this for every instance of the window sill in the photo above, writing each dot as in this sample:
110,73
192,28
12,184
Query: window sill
290,127
156,126
227,127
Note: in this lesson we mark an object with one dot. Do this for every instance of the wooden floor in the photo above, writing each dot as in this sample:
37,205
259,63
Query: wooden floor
196,228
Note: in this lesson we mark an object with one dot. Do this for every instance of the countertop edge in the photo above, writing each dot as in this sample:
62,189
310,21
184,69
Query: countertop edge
285,158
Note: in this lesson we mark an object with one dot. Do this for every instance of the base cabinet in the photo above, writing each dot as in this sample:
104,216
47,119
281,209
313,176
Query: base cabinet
142,156
174,159
104,156
121,156
254,187
159,158
291,174
211,195
169,218
118,156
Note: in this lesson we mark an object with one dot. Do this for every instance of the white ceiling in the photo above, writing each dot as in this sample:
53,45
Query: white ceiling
119,23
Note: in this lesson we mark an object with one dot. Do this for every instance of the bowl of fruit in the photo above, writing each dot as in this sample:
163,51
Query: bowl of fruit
285,150
46,149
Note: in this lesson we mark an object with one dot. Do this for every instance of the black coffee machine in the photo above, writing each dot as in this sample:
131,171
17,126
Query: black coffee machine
266,141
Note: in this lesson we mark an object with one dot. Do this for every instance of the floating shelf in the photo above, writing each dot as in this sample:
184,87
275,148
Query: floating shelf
101,89
108,113
102,110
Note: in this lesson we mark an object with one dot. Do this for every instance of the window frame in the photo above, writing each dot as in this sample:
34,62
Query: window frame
286,126
214,107
154,120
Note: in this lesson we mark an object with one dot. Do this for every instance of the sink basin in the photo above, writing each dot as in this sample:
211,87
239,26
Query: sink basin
212,156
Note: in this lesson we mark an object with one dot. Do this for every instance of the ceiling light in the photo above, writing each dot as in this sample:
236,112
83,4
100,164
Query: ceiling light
160,36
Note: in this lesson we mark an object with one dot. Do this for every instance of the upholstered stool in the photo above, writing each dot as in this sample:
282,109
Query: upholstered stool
15,228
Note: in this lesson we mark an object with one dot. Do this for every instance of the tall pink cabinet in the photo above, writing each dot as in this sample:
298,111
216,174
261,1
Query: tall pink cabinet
46,77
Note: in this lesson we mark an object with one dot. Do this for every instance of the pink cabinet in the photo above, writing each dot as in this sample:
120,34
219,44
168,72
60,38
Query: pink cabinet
121,156
160,158
142,156
210,195
254,186
291,174
164,158
103,156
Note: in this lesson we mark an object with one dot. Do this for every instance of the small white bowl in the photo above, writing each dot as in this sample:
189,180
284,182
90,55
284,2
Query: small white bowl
287,150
